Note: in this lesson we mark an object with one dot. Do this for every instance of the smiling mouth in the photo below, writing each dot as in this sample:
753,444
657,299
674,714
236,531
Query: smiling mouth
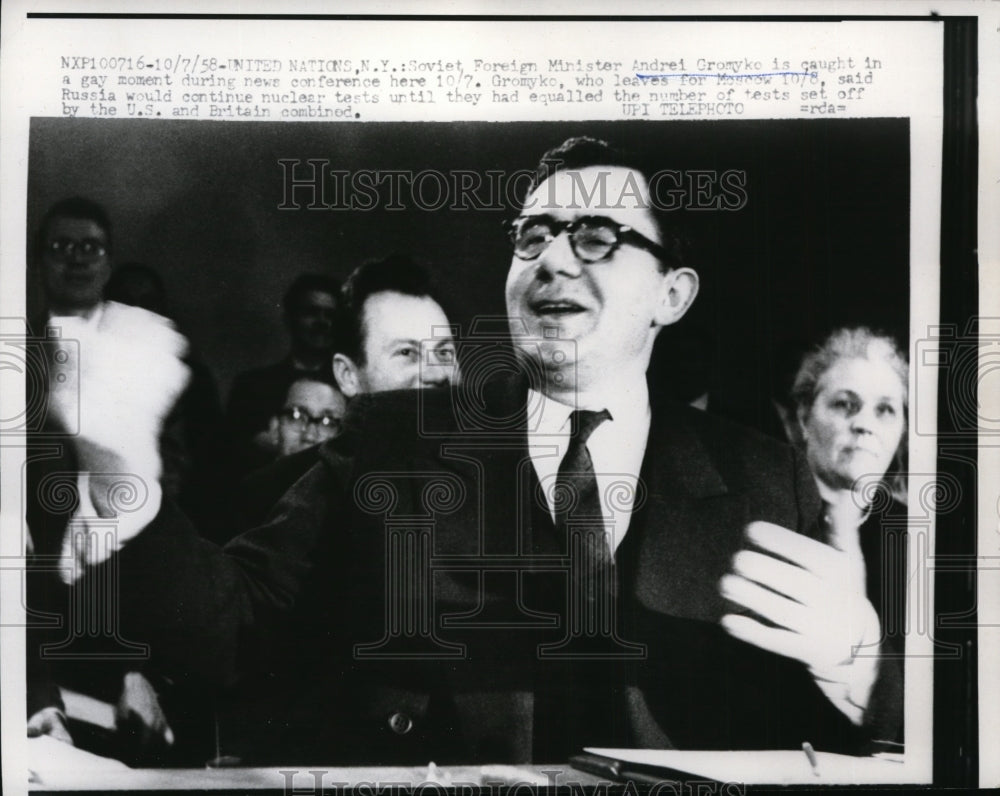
552,308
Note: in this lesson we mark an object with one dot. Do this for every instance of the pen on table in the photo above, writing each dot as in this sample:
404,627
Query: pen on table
811,755
597,764
617,771
436,776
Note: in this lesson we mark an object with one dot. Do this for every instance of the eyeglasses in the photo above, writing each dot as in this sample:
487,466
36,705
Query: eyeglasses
592,238
88,249
301,420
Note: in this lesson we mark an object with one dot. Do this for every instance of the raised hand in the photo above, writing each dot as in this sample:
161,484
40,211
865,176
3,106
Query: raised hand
116,386
811,598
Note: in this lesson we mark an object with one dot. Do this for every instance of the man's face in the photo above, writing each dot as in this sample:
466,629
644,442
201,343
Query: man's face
406,346
311,322
75,264
312,414
606,313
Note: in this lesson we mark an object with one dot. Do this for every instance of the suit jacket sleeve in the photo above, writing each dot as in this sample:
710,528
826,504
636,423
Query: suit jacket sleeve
883,541
202,607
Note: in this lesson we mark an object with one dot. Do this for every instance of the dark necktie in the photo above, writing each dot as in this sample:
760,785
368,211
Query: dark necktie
580,519
577,700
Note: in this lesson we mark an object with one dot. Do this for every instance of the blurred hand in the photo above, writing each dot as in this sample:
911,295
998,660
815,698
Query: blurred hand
139,711
49,721
815,599
121,382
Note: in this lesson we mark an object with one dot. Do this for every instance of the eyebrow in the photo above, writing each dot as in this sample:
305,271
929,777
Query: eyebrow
854,394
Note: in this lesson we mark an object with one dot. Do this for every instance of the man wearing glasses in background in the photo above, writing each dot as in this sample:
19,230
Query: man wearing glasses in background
73,256
533,560
313,411
309,307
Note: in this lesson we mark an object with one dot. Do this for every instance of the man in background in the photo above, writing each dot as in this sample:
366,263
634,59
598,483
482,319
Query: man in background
391,334
313,412
73,256
394,333
309,307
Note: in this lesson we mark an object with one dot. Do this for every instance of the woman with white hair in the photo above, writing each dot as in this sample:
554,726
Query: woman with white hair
850,397
836,601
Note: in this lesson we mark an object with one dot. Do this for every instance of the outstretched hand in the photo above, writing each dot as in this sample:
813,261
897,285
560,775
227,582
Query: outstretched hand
811,598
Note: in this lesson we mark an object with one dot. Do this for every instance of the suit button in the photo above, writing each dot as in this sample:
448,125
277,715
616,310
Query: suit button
400,723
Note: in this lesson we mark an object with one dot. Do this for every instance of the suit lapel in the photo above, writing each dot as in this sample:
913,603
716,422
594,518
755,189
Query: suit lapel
681,541
488,452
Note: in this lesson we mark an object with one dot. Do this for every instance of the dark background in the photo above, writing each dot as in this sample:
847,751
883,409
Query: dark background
822,241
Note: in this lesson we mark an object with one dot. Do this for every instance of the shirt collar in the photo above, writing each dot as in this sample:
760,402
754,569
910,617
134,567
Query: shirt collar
628,404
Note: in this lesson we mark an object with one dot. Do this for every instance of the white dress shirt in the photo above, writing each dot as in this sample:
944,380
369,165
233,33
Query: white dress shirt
616,447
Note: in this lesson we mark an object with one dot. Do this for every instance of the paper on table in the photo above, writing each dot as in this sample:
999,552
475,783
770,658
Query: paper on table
780,767
46,754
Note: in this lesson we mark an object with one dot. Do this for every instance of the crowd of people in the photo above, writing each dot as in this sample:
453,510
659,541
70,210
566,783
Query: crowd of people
361,560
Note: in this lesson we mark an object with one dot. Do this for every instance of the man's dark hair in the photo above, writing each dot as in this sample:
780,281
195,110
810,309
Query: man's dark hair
397,273
74,207
577,153
304,284
580,152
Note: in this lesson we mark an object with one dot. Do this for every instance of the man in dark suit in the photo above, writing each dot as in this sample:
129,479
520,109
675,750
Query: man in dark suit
526,564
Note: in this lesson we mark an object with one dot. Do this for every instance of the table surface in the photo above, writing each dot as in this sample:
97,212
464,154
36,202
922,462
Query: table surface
88,772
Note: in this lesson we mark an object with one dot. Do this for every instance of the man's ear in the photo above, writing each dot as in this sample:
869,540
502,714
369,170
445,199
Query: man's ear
346,374
801,415
269,440
789,421
680,286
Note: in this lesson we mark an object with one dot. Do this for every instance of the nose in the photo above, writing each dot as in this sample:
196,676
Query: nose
436,376
75,256
559,258
863,421
434,373
312,433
